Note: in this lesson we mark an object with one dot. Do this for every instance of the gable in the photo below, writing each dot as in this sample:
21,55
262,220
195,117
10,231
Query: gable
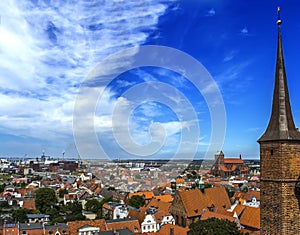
177,206
219,197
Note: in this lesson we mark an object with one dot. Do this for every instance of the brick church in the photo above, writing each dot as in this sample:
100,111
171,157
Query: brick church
280,160
228,166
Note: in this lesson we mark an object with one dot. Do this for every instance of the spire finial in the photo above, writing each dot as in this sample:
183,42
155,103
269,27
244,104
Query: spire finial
278,15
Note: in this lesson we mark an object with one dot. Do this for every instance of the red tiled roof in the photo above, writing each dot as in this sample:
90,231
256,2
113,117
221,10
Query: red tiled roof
208,214
160,205
97,191
165,230
180,181
194,201
140,215
75,225
233,161
159,215
25,191
147,194
133,225
219,197
165,198
225,169
250,217
29,204
238,209
247,196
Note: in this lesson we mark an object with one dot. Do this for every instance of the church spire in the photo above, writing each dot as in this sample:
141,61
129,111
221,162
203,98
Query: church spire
281,125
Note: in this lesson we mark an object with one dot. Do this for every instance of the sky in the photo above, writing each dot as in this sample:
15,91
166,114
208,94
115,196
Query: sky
151,79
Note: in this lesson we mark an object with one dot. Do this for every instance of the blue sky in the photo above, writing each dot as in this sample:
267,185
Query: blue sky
50,50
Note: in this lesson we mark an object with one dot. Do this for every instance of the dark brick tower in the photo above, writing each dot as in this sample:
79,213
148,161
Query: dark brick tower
280,160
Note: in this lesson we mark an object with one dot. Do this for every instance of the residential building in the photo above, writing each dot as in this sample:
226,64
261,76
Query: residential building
38,218
188,206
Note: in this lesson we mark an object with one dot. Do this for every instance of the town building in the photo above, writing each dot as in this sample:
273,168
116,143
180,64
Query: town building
280,160
188,206
228,166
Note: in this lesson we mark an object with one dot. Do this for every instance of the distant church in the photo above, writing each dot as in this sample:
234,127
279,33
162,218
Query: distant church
280,160
228,166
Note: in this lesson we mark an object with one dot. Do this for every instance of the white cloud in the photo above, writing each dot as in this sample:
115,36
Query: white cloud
211,12
244,30
48,48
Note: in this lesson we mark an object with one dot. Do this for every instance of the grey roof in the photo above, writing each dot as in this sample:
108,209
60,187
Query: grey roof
281,125
119,220
56,226
125,231
27,226
10,225
36,216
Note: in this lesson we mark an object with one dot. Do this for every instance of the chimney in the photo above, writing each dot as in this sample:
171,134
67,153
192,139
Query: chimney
172,231
203,211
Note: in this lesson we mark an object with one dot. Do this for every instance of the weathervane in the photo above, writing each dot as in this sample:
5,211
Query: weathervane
278,15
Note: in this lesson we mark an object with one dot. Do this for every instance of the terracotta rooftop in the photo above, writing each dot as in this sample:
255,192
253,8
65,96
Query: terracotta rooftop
226,169
75,225
233,161
139,215
147,194
219,197
165,230
160,205
239,209
208,214
180,181
29,204
194,201
165,198
131,223
159,215
247,196
250,217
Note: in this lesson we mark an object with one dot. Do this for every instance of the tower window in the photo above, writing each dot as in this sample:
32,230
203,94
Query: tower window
271,152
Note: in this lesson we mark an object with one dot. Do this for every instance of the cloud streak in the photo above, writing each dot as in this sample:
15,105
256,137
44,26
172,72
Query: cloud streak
48,48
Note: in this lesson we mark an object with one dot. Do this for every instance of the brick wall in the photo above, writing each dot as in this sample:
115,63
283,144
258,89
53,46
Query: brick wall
280,169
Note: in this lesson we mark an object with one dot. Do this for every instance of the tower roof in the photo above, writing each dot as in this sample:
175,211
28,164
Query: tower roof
281,125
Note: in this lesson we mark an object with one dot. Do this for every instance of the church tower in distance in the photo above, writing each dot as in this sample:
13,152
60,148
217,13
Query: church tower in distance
280,160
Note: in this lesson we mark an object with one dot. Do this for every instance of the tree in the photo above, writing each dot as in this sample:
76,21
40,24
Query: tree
20,215
93,205
214,226
136,201
2,187
72,211
62,192
45,199
102,202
